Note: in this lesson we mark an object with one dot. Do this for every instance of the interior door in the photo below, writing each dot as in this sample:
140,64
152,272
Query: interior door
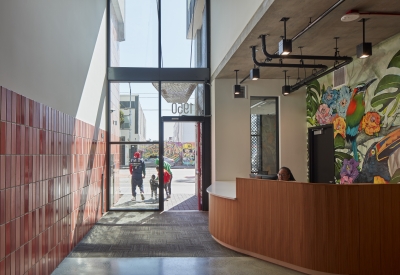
321,154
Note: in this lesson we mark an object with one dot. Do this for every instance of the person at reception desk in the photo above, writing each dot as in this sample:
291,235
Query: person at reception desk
285,174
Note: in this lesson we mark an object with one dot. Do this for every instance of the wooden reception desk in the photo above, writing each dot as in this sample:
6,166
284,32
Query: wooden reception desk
311,228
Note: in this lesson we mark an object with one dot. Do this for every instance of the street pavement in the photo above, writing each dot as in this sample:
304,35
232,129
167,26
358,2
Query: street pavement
182,191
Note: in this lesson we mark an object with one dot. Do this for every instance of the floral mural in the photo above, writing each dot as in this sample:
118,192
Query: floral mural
366,122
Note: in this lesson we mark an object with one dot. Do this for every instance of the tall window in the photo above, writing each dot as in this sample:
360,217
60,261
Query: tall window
158,63
264,135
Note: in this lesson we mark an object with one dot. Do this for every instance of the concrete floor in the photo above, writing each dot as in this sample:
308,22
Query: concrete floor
124,242
170,266
79,262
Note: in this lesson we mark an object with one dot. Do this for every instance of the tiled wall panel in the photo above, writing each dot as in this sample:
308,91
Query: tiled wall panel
52,167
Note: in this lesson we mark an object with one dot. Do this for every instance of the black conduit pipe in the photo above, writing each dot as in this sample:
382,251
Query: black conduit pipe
281,65
319,74
334,6
290,56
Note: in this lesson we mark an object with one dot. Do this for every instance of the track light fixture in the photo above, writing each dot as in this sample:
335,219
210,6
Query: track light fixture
255,73
365,48
285,45
237,89
285,88
323,69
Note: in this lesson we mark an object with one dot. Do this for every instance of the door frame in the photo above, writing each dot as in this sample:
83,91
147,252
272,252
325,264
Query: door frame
311,134
205,158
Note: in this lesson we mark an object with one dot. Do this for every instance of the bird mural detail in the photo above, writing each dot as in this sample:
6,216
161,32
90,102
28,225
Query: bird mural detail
355,113
381,160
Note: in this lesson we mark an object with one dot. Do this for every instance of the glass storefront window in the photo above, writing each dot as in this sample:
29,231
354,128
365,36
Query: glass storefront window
120,177
134,33
182,39
134,112
137,95
182,99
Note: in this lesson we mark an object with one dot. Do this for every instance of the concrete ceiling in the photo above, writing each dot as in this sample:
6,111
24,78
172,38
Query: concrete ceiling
318,40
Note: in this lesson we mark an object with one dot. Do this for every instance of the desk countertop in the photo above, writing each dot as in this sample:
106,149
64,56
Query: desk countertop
223,189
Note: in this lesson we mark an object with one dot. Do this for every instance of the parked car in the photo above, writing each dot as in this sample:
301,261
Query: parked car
151,162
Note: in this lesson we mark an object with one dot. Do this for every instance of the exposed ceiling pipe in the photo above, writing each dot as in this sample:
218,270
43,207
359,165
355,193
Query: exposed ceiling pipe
313,57
352,15
281,65
334,6
318,19
319,74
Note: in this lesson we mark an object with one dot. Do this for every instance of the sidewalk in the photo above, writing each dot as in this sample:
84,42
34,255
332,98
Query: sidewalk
182,198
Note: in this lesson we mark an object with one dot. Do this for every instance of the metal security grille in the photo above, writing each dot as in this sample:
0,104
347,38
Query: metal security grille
255,143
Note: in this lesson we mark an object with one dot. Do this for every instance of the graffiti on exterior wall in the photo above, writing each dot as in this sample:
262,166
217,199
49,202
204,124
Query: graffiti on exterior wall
173,150
188,153
366,123
181,153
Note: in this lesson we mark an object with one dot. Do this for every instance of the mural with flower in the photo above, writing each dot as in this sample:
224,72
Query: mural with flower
366,124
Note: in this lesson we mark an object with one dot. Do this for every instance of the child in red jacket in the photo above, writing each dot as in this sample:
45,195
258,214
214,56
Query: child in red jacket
167,180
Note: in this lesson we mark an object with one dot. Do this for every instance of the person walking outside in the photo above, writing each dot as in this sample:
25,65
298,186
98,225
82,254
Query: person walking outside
167,167
137,168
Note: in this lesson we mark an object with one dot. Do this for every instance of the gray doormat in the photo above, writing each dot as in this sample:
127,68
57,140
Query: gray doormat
151,234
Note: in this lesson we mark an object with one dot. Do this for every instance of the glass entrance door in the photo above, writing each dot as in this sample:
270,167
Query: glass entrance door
180,148
184,145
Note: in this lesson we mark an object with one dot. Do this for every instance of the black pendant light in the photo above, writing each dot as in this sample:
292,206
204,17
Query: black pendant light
365,48
285,88
237,89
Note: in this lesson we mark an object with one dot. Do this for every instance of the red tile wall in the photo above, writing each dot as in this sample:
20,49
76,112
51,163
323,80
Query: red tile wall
52,167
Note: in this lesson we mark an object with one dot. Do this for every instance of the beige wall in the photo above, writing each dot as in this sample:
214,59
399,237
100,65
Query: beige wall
231,129
54,52
228,20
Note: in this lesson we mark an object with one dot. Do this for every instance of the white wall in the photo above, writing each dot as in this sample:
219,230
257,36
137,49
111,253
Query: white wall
231,129
54,52
228,19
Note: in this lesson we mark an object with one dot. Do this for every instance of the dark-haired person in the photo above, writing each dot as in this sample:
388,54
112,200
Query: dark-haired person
285,174
167,180
137,168
167,167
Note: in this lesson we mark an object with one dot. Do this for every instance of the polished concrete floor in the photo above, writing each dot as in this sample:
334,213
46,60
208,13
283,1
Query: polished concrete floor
170,266
164,243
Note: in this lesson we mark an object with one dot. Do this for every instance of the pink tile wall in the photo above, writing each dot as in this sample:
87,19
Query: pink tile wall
51,170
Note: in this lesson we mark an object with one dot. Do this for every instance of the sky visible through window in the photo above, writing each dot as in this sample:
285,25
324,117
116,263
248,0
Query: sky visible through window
140,49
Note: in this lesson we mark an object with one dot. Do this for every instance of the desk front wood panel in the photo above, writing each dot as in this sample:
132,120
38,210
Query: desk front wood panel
351,229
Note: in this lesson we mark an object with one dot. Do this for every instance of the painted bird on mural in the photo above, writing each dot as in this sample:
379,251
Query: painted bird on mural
355,113
382,160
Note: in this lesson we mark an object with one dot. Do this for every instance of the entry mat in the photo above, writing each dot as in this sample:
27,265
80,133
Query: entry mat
151,234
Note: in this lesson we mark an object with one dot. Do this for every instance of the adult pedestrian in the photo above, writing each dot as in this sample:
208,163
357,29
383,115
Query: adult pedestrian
137,168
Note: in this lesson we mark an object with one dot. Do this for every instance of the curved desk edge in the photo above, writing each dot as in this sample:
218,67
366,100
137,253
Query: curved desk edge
223,189
312,228
272,260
